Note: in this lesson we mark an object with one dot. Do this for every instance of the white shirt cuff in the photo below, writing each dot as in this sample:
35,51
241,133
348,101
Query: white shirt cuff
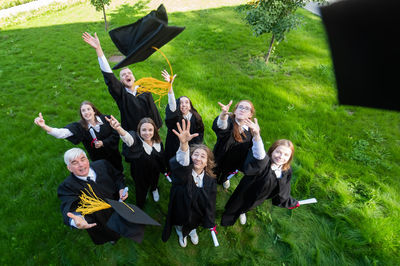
258,149
60,133
183,157
171,102
222,124
104,66
128,139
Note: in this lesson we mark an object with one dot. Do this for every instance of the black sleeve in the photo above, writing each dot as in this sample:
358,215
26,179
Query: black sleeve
153,111
252,166
209,221
115,86
171,118
283,199
134,151
117,175
222,133
111,140
77,131
69,200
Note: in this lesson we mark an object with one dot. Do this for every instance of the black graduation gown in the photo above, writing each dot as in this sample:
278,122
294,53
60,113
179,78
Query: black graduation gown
145,168
132,108
229,154
172,141
189,206
107,135
258,184
108,183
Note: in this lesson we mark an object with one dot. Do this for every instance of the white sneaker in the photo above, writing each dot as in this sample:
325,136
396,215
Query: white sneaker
242,218
182,240
226,184
156,196
194,237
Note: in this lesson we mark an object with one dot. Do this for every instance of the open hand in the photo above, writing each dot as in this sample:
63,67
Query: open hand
92,41
80,222
167,76
183,132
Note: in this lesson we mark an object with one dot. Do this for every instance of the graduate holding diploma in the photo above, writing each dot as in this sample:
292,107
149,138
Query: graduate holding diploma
267,176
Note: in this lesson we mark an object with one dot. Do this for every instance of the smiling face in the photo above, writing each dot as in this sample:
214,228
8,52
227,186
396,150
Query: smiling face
184,105
199,158
146,132
87,112
79,166
126,77
243,111
281,155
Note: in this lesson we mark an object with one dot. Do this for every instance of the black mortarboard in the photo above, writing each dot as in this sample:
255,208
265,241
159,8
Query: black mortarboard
364,51
136,40
131,213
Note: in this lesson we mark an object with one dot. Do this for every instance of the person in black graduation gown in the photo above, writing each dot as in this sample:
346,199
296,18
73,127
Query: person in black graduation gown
176,110
267,176
143,149
194,189
233,139
107,183
105,146
133,107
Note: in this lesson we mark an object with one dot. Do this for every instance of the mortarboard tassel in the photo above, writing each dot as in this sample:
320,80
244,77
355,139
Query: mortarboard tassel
90,203
153,85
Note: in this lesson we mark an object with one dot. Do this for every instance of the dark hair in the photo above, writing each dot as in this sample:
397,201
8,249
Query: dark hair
156,137
83,122
286,143
236,129
210,158
199,120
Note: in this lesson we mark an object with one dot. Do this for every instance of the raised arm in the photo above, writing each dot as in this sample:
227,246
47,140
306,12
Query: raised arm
171,97
94,42
184,135
41,123
125,136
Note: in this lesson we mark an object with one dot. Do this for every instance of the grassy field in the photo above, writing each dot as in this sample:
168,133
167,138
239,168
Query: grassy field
347,157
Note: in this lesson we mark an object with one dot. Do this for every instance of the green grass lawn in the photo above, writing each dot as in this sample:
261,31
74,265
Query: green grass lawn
347,157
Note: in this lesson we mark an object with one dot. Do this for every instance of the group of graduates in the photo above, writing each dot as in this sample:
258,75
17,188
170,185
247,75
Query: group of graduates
193,168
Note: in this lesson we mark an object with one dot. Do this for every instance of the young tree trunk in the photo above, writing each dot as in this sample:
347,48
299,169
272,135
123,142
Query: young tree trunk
105,19
271,44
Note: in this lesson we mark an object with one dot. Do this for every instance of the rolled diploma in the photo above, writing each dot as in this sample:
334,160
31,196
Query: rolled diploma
214,238
124,193
91,131
308,201
168,178
233,174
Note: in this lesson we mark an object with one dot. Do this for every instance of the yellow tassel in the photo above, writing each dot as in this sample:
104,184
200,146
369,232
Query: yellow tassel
155,86
90,203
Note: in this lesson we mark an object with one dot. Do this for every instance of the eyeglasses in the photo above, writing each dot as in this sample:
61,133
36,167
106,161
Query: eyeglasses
244,108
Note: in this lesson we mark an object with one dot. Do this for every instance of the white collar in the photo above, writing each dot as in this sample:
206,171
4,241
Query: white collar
132,92
277,169
99,122
198,179
148,148
188,116
242,127
91,174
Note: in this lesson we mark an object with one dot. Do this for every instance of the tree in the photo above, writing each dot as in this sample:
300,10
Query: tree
273,16
99,5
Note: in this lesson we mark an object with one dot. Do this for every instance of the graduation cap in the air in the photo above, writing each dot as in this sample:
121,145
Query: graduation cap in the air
364,51
136,40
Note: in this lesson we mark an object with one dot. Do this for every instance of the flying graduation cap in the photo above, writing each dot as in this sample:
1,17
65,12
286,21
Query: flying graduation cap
136,40
364,51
